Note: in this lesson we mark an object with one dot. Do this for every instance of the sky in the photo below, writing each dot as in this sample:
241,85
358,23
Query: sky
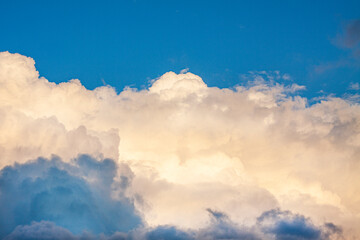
206,120
129,43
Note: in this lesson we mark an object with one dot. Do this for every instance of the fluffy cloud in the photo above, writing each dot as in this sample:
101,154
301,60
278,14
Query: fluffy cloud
190,147
40,230
273,224
78,197
286,225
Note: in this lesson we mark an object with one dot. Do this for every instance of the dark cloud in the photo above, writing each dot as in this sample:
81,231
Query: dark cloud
217,215
221,227
40,230
348,38
51,199
351,36
284,225
168,233
330,229
75,196
273,224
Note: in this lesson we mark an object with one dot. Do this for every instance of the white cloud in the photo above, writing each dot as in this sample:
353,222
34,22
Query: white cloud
191,146
172,85
185,70
354,86
286,76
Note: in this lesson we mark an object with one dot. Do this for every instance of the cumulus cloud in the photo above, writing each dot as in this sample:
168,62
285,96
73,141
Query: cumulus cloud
242,150
171,85
77,196
40,230
273,224
221,227
286,225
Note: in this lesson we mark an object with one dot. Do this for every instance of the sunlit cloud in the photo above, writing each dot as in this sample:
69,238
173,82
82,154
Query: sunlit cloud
243,153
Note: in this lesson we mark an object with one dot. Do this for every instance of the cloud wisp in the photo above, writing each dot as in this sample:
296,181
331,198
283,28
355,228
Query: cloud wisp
351,36
348,39
177,149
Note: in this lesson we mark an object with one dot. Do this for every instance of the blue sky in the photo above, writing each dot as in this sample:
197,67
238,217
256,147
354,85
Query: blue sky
128,43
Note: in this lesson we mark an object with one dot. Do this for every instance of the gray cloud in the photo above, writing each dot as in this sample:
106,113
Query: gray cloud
51,199
76,196
272,224
284,225
221,227
40,230
351,36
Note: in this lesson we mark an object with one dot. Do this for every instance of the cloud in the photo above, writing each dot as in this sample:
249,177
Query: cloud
221,227
286,225
185,70
78,197
172,85
273,224
40,230
167,232
351,35
186,147
348,39
354,86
